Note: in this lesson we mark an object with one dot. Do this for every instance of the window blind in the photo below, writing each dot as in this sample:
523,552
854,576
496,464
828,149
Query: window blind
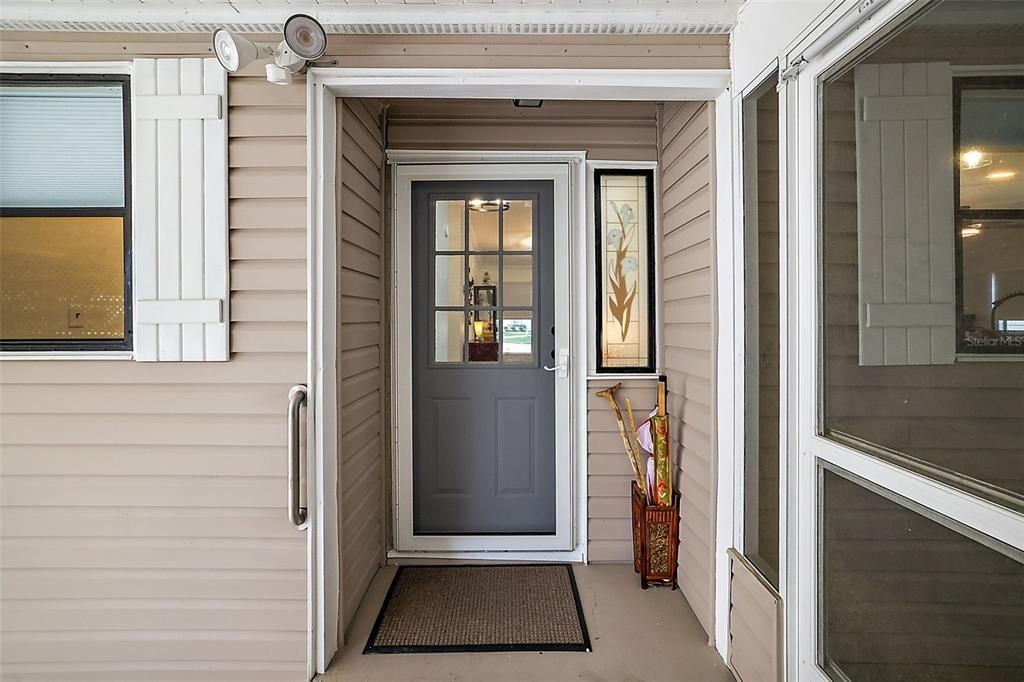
62,146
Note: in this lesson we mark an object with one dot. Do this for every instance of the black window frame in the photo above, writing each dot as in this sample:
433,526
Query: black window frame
962,216
124,212
652,311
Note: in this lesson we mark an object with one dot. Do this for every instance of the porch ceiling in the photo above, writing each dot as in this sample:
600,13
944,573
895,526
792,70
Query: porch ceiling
377,16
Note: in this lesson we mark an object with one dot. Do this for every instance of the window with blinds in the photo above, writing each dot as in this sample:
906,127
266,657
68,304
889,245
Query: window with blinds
64,213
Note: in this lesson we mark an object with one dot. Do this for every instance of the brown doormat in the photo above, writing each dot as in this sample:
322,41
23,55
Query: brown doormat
480,608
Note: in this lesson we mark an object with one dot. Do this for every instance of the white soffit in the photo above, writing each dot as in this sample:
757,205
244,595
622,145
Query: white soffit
376,16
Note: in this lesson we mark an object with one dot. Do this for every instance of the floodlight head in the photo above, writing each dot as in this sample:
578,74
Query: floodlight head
305,36
235,52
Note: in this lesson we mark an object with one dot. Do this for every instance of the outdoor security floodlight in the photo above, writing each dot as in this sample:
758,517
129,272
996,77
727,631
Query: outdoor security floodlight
304,41
305,37
235,52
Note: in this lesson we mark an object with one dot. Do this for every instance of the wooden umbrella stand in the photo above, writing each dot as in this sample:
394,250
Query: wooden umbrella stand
655,539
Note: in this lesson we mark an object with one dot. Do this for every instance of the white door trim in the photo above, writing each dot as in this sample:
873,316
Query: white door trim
567,455
323,86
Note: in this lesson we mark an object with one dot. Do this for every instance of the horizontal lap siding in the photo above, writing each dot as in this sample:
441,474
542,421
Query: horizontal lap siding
609,535
360,347
687,254
754,624
143,528
623,131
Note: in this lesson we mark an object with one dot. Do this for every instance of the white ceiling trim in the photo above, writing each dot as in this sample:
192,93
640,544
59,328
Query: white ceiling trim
609,17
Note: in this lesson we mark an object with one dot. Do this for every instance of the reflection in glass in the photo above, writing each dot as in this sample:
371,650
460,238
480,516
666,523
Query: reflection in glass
908,598
992,256
761,272
517,336
518,280
960,417
449,225
517,228
449,288
483,224
991,145
449,335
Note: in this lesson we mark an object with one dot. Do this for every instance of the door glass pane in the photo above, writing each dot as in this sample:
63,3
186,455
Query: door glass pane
902,256
449,225
61,278
518,226
483,278
483,224
449,274
907,598
761,273
449,335
517,336
518,280
483,344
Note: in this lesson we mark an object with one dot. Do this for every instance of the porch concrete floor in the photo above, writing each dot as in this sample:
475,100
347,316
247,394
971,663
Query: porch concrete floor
649,636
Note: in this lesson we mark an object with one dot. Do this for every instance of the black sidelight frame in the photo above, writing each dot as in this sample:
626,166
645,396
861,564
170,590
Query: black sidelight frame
124,212
599,287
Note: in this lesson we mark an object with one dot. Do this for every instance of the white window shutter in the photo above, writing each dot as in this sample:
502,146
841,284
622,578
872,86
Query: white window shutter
180,218
905,213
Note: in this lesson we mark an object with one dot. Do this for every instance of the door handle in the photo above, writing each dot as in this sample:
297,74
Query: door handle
296,399
561,370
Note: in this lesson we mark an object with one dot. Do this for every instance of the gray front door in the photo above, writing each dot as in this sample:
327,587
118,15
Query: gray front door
483,316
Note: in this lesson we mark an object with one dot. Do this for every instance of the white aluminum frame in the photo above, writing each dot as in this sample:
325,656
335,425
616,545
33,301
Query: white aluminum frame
803,380
567,448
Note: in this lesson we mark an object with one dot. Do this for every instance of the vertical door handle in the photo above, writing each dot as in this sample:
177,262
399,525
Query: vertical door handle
296,399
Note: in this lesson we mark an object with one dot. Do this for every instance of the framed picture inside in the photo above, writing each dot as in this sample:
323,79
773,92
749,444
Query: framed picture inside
624,270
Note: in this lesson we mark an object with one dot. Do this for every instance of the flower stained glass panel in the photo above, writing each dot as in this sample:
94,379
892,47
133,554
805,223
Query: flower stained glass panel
625,228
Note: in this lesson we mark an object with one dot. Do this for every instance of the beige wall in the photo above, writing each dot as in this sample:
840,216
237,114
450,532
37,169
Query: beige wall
687,252
362,360
143,526
146,499
622,131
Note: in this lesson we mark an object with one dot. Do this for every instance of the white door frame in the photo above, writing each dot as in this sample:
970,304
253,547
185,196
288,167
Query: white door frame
560,168
803,382
323,87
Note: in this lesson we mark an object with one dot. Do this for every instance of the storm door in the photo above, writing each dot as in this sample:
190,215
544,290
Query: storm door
483,365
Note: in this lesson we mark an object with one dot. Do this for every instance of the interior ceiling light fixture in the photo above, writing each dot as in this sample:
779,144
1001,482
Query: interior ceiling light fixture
304,41
489,206
971,230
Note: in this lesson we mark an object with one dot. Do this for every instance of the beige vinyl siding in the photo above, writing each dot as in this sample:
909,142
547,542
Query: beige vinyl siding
610,534
687,257
360,345
755,624
143,526
622,131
